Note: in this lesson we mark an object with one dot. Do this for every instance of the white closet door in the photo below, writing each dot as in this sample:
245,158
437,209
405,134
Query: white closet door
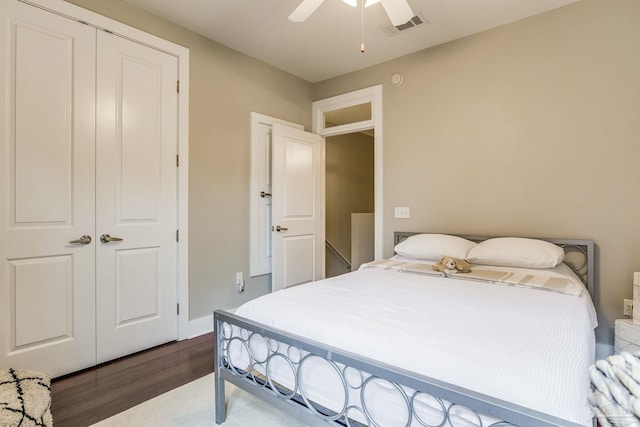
47,294
135,197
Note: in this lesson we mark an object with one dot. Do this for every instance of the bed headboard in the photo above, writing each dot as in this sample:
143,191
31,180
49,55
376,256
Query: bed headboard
579,254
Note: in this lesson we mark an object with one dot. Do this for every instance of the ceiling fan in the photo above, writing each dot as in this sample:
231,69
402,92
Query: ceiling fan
399,11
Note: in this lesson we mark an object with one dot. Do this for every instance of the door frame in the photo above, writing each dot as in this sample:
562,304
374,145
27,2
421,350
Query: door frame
104,23
371,95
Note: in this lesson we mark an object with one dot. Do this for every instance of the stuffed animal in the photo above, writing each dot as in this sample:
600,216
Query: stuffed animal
451,265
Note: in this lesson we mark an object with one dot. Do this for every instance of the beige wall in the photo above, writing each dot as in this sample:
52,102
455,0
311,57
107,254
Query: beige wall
225,87
530,129
349,189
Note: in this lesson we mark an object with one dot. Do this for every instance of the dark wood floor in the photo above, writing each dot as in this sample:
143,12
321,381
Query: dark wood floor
94,394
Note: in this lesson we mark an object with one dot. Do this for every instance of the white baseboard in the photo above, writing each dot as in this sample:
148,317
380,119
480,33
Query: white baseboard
200,326
203,325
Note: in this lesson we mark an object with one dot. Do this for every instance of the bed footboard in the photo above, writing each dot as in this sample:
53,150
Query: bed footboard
426,401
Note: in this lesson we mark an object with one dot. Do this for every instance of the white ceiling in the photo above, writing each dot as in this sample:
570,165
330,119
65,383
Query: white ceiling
328,43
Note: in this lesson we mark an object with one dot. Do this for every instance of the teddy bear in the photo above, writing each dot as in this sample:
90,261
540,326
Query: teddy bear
451,265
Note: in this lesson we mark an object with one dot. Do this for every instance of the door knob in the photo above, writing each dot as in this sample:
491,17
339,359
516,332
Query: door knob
278,228
105,238
84,240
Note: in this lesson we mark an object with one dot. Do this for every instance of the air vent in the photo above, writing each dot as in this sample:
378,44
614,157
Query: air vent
393,30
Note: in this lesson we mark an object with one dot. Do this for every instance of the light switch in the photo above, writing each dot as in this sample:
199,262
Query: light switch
402,212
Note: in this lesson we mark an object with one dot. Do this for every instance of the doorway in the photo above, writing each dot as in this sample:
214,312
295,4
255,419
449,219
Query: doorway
349,202
363,112
355,113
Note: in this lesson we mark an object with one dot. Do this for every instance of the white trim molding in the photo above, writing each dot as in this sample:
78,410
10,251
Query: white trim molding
371,95
200,326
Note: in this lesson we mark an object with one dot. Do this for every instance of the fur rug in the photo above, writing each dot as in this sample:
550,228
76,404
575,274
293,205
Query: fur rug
25,398
192,405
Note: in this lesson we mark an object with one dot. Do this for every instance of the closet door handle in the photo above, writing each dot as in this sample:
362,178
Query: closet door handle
278,228
84,240
105,238
263,194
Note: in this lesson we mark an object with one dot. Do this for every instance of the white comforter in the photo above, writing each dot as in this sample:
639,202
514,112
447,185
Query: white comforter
526,346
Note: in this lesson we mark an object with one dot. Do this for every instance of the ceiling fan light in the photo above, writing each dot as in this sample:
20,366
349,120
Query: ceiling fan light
371,2
352,3
304,10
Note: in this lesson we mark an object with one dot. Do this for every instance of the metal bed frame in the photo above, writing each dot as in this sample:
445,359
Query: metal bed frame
295,351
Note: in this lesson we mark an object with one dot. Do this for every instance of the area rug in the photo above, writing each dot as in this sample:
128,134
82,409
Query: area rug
192,405
25,398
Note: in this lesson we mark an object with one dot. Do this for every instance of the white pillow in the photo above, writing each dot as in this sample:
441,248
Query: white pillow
434,246
516,252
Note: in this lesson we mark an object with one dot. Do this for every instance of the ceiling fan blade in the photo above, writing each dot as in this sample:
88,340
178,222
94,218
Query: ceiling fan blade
399,11
304,10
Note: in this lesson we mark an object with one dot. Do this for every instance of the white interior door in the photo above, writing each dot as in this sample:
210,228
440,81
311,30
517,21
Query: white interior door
297,207
260,241
136,193
47,293
88,146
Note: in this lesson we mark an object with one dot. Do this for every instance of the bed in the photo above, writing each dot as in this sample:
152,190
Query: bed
396,343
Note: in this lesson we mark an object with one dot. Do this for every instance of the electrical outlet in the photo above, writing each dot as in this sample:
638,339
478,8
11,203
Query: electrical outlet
402,212
628,307
240,281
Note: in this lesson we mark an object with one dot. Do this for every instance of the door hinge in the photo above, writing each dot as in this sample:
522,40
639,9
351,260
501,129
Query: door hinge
178,86
177,235
177,160
178,309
